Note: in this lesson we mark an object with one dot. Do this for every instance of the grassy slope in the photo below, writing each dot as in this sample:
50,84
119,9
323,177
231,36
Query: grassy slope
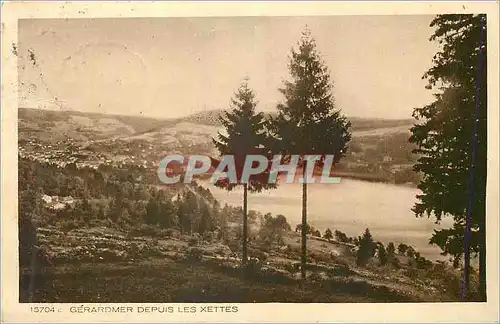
167,272
163,280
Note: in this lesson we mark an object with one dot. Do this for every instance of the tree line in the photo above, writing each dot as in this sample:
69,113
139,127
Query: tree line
107,197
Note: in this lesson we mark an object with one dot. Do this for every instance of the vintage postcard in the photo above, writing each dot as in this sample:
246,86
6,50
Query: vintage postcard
250,161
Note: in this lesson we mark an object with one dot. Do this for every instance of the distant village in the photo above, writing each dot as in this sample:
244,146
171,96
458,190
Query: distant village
63,153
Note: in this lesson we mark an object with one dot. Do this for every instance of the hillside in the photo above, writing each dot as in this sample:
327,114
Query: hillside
49,124
379,150
211,117
98,214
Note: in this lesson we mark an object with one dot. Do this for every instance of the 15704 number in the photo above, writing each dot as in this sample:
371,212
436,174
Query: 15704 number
43,309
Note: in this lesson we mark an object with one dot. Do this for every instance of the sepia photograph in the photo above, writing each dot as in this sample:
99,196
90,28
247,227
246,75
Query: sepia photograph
253,159
103,101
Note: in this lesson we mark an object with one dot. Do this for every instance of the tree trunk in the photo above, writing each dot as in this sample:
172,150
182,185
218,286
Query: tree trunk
466,278
33,274
304,226
482,262
245,221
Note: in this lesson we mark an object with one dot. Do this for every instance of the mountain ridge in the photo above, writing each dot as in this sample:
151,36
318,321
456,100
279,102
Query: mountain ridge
145,124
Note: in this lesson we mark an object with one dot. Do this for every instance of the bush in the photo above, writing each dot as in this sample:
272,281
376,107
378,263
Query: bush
423,263
193,241
171,233
292,267
273,228
315,277
402,248
254,253
341,237
340,270
253,265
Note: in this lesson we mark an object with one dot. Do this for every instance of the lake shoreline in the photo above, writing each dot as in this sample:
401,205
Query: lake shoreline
350,206
366,177
372,178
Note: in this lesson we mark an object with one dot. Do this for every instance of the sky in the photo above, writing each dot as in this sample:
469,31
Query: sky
172,67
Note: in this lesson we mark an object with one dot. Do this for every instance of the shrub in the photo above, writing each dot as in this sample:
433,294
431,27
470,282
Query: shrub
292,267
254,253
341,237
171,233
340,270
402,248
193,241
315,277
316,233
423,263
273,229
253,265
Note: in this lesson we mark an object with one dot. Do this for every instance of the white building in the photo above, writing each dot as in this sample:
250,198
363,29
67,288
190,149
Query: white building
47,199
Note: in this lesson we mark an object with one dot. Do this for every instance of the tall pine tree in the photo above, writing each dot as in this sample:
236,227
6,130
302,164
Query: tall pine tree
246,134
451,137
307,121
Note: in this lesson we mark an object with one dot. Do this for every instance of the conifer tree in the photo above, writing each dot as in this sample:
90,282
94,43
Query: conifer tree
166,214
206,222
307,121
451,135
367,248
328,234
391,251
246,134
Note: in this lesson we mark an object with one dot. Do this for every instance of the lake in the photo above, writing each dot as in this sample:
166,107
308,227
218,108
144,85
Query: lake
350,206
